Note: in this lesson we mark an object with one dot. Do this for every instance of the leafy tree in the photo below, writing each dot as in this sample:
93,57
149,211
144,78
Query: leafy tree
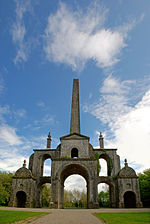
144,181
5,187
103,199
75,198
46,194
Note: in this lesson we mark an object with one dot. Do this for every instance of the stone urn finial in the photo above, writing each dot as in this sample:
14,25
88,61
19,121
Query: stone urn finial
24,163
101,140
125,163
49,140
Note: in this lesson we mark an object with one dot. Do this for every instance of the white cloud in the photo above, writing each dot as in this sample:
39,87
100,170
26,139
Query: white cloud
18,31
12,161
113,101
75,182
127,116
74,37
132,134
14,148
10,155
8,135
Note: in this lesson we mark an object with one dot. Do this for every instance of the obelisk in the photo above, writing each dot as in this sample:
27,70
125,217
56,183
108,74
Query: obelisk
75,109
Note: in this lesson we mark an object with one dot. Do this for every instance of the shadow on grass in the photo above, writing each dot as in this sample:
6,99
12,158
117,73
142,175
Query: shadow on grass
14,216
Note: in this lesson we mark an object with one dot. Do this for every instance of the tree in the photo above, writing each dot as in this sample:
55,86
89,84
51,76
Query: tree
144,181
5,187
103,199
75,198
46,194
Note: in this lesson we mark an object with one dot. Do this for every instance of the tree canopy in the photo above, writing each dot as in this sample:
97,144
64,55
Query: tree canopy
144,181
5,187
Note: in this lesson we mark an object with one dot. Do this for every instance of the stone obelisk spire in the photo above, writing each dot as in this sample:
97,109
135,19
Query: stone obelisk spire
75,110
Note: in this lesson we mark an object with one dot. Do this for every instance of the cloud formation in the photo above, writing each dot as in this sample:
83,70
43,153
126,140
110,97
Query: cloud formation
18,31
74,37
126,113
8,135
75,182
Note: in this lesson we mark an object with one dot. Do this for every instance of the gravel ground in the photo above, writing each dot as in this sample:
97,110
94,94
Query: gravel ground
71,216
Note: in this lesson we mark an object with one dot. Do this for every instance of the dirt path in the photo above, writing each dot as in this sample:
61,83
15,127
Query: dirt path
68,217
71,216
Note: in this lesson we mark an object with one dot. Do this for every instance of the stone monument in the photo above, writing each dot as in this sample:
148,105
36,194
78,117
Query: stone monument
75,155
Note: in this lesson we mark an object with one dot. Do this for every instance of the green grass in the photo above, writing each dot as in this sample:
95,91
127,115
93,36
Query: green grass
13,216
124,217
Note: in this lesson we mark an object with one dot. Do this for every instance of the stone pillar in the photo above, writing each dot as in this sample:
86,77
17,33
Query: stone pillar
92,194
49,141
101,140
75,109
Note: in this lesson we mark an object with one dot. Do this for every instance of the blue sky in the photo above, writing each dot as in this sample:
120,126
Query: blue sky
44,45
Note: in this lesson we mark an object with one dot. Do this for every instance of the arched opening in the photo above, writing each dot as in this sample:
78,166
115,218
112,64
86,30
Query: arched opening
129,199
46,195
104,195
21,199
109,163
103,167
46,165
43,194
75,192
74,153
70,170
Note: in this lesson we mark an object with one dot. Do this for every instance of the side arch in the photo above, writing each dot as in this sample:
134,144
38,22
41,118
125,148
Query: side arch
42,181
112,189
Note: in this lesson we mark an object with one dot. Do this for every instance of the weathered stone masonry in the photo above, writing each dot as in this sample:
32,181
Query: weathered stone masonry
75,155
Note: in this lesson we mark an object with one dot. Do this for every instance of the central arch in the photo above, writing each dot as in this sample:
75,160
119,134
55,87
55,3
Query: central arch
68,171
75,192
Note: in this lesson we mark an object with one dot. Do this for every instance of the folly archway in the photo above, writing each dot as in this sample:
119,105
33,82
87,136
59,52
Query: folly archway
129,199
21,199
68,171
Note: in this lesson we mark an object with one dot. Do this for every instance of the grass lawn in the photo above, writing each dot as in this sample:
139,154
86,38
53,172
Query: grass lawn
13,216
124,217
